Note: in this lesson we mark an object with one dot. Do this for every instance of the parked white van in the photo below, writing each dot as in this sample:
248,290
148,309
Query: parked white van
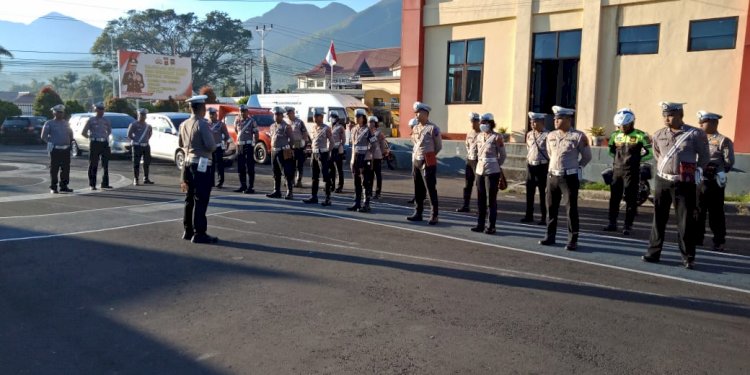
305,104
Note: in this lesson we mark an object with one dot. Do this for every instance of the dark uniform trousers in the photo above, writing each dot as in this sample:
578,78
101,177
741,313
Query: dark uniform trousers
99,150
59,162
425,184
469,178
711,205
196,198
320,165
487,183
337,167
624,181
536,179
683,196
299,162
280,165
377,175
245,166
362,172
217,159
138,153
557,188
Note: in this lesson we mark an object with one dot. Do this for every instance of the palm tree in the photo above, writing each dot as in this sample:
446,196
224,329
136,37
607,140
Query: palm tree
4,52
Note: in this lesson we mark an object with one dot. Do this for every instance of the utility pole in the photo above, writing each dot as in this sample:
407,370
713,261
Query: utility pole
262,30
251,76
112,73
244,88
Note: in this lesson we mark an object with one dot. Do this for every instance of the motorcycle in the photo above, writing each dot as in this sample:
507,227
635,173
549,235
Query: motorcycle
644,186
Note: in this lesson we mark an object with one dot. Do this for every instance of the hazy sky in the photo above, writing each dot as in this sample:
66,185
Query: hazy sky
98,12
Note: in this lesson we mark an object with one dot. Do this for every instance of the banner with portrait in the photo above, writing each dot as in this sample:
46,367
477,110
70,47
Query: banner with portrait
147,76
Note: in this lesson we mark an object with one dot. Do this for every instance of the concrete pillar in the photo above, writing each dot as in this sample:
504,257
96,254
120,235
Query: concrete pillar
587,69
412,60
742,129
521,67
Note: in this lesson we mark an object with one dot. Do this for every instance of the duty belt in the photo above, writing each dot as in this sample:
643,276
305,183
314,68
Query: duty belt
194,160
319,150
669,177
140,144
471,158
99,139
62,147
280,148
538,162
361,148
242,143
488,160
564,172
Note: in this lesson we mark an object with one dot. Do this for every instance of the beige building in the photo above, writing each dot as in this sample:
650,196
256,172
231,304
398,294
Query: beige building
510,57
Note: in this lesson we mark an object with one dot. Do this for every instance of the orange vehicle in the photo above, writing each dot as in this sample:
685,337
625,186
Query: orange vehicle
262,116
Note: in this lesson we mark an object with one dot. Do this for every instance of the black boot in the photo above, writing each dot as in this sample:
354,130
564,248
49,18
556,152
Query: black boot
572,243
314,193
417,216
327,202
366,206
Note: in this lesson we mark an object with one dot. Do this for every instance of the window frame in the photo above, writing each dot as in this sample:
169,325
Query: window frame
658,39
464,69
557,44
690,33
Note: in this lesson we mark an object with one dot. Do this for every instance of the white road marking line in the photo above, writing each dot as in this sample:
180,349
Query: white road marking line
235,219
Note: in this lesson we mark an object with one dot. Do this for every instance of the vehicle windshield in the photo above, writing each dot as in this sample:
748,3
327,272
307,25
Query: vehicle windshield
15,122
263,120
120,122
341,112
178,119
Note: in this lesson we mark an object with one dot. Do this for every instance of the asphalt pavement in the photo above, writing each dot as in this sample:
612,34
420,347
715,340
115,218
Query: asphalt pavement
100,283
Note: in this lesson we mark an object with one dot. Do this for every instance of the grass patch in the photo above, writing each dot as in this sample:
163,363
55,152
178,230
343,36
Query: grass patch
739,198
594,185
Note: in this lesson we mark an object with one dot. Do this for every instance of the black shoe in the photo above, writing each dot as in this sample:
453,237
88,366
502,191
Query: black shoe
463,209
274,195
542,222
571,246
718,248
414,217
689,264
610,228
698,242
376,196
626,231
339,190
326,202
241,189
490,230
187,235
66,190
527,220
53,191
354,207
106,187
433,220
204,238
547,242
249,191
298,184
92,187
411,201
310,200
649,259
477,229
149,182
135,182
289,196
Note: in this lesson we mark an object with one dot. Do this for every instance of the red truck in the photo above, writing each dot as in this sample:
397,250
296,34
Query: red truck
262,116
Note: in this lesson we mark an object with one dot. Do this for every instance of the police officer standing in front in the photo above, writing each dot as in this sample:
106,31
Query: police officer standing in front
537,167
221,135
379,150
471,161
681,153
427,144
337,152
247,135
97,130
711,195
361,163
629,147
58,135
569,152
300,139
491,156
321,139
282,155
198,144
139,133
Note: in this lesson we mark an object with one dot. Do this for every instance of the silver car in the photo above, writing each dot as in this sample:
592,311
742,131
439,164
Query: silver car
119,143
164,139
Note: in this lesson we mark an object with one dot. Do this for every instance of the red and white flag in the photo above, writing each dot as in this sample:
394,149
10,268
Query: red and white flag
331,56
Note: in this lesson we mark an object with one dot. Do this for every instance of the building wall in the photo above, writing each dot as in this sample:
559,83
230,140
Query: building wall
707,80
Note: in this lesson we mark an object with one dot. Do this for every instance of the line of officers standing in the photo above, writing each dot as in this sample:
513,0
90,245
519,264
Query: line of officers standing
692,165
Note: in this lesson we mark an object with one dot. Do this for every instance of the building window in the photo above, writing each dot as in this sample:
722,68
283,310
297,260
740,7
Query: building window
464,78
557,45
718,33
638,40
320,83
310,83
378,102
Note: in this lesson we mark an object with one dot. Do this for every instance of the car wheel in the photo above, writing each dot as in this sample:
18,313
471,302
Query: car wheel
260,153
74,149
179,159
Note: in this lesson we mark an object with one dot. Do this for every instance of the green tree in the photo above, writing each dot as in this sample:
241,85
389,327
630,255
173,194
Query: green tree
243,100
266,76
4,52
119,105
8,109
95,87
209,92
214,44
45,100
231,87
169,105
73,106
256,88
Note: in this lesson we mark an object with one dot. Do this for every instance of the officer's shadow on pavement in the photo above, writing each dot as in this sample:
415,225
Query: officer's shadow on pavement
706,305
59,297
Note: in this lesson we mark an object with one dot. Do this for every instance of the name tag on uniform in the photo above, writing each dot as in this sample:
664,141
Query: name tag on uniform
373,139
202,164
